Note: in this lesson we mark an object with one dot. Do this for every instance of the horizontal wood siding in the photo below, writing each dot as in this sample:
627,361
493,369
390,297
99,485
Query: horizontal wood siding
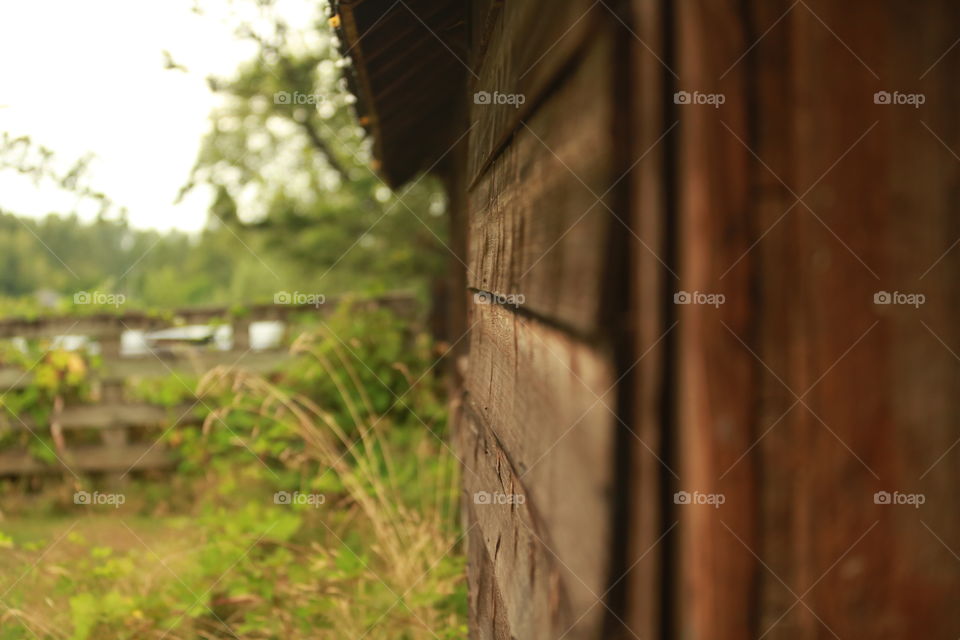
521,577
523,47
796,399
541,396
540,419
540,217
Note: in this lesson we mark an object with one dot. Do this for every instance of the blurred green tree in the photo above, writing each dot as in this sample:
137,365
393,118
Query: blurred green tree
290,165
295,204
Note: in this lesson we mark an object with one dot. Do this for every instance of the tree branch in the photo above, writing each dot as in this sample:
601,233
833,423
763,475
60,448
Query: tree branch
322,146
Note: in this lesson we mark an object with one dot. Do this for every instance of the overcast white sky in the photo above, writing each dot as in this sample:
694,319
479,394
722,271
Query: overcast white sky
89,76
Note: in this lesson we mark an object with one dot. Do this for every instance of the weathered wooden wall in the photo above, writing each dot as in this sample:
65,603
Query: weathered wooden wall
541,408
800,398
796,400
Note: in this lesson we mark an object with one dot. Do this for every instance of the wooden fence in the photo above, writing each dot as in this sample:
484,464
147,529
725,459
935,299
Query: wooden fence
116,434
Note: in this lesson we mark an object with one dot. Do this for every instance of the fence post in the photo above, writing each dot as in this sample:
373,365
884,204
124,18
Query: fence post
241,335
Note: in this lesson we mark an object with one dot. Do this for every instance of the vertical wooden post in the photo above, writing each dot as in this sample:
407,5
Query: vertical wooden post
241,335
800,198
647,567
110,342
114,437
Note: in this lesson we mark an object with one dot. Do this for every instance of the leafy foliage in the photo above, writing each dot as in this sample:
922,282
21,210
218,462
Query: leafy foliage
51,377
291,166
64,256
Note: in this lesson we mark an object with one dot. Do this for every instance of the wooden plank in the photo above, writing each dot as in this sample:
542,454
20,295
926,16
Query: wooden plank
107,416
487,612
716,376
403,304
780,451
538,389
193,363
184,362
520,594
11,378
647,568
140,457
527,49
537,229
879,402
48,327
886,409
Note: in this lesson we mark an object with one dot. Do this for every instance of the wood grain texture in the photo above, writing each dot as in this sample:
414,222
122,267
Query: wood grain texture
884,409
879,409
647,566
877,382
716,376
487,618
524,48
519,583
542,396
537,228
